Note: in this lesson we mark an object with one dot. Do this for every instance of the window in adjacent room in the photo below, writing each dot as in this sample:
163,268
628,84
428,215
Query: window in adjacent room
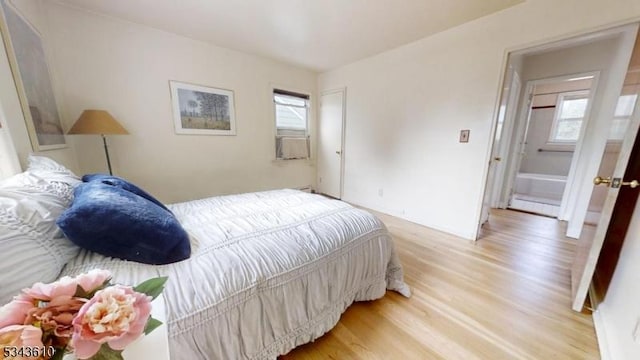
621,117
570,112
292,124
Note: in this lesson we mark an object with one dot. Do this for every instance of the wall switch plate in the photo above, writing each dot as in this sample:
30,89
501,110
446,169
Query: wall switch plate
464,136
380,192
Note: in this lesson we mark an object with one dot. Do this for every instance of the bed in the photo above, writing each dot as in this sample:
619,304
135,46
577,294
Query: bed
268,271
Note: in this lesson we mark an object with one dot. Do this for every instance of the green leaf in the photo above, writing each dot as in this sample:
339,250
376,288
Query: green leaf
152,324
152,287
81,293
59,354
107,353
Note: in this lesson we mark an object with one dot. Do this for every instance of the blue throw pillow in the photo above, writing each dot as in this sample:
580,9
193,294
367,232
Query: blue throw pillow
115,222
123,184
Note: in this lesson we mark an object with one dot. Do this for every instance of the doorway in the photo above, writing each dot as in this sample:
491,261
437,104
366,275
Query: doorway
331,142
555,121
590,69
601,147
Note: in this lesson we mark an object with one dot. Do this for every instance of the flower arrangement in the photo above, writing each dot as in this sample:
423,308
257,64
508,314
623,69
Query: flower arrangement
84,315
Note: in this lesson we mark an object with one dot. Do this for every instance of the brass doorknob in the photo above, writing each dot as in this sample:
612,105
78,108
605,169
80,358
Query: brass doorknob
632,184
599,180
338,152
497,158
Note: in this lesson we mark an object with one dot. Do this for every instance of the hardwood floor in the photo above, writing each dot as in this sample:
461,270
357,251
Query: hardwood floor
507,296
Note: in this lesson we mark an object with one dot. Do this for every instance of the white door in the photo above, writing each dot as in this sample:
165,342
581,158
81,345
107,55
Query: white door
506,117
593,143
497,199
592,237
330,142
519,150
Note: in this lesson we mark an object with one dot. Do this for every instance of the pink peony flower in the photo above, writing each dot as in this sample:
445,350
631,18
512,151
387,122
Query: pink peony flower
115,315
93,279
56,317
67,286
21,336
15,312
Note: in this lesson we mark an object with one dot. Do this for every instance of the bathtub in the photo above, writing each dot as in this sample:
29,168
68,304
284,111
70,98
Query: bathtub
540,186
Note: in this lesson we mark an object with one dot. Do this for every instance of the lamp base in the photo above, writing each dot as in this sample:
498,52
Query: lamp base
106,152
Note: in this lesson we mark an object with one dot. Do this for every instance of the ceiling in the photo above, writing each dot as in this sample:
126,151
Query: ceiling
315,34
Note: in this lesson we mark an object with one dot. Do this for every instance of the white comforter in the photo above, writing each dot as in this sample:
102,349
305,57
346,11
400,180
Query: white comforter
269,271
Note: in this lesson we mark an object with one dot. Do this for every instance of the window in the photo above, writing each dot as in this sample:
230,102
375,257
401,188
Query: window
624,109
570,111
292,124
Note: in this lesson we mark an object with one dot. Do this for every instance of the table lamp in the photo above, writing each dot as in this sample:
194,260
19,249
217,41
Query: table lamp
98,122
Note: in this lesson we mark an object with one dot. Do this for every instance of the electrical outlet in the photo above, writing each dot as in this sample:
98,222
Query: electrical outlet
380,192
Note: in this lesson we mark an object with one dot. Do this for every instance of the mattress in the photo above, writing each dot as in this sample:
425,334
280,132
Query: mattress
269,271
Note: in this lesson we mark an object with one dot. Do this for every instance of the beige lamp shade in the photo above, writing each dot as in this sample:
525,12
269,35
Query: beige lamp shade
98,122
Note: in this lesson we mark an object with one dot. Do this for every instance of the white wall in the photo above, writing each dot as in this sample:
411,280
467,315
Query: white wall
125,68
545,162
582,58
542,115
405,108
9,164
10,115
10,103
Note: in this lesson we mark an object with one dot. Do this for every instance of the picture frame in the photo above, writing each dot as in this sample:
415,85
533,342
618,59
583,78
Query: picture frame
32,76
202,110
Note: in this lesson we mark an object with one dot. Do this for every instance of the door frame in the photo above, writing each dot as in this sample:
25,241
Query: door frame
522,124
570,193
344,130
537,46
497,167
506,136
517,138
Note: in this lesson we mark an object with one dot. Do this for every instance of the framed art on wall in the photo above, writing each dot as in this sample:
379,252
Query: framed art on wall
202,110
33,81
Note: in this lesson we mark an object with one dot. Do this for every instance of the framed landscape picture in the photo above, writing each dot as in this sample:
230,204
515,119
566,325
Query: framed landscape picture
202,110
33,81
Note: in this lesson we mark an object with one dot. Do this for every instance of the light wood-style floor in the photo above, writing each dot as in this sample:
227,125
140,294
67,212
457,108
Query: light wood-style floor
506,296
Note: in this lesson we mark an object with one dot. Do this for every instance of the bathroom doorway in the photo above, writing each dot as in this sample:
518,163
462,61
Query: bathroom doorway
557,116
567,93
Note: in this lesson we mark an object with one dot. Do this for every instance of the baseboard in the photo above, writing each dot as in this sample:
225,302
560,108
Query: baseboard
550,210
601,335
592,217
307,188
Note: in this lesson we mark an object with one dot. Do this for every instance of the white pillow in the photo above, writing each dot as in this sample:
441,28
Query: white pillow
33,248
52,171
